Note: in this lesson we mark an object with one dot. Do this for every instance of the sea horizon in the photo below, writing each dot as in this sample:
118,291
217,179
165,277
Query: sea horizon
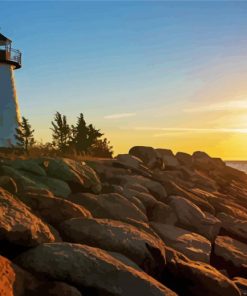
237,164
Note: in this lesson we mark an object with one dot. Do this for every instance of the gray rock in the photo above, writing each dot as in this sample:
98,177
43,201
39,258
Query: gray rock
112,206
196,278
85,266
19,226
148,155
233,255
193,245
168,158
193,218
117,237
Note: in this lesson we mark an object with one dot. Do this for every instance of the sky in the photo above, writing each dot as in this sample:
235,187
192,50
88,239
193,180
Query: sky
162,74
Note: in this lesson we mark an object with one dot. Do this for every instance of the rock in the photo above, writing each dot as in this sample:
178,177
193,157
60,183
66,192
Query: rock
131,196
204,162
28,165
21,181
13,280
130,160
17,282
26,181
188,277
8,184
193,245
112,206
56,186
161,213
148,155
137,187
184,159
56,288
89,267
46,205
117,237
173,188
144,197
79,175
231,255
147,199
154,187
191,216
107,170
19,226
168,158
234,226
125,260
241,283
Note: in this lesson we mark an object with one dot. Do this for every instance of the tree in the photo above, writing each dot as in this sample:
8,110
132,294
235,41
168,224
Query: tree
102,148
61,132
84,136
24,135
79,135
93,136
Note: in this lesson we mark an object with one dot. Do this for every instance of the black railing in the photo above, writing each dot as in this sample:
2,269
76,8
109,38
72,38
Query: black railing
15,56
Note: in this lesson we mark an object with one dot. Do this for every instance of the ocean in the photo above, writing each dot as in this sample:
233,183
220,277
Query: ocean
239,165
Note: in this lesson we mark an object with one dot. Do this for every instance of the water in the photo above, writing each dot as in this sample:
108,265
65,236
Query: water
239,165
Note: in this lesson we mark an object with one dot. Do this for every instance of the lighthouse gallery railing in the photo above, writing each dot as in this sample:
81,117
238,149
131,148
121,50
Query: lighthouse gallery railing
15,56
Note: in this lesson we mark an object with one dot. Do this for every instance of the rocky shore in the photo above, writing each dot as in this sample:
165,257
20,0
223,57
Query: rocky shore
147,223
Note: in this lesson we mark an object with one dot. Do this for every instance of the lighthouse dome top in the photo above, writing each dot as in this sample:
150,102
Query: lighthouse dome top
8,55
4,39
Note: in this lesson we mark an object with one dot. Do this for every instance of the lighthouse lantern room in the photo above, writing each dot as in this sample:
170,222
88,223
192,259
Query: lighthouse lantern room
10,60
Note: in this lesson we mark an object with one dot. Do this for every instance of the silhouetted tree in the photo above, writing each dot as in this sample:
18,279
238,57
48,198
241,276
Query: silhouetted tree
24,135
83,136
61,132
93,136
79,135
102,148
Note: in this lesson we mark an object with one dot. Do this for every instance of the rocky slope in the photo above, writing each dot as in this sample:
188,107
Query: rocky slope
145,223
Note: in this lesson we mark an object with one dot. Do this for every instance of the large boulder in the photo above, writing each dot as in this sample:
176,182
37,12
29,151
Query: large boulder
80,176
161,213
14,281
173,188
231,255
144,197
89,267
19,226
26,181
193,218
7,183
193,245
112,206
54,288
117,237
233,226
148,155
57,187
188,277
46,206
242,284
28,165
154,187
131,161
184,159
168,158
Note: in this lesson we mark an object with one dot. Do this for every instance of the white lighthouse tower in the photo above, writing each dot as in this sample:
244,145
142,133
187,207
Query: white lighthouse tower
10,60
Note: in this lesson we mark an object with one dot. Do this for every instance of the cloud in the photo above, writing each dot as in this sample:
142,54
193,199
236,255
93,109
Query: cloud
234,105
169,131
176,130
120,115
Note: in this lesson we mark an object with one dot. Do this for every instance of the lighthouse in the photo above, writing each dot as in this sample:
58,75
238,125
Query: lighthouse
10,60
